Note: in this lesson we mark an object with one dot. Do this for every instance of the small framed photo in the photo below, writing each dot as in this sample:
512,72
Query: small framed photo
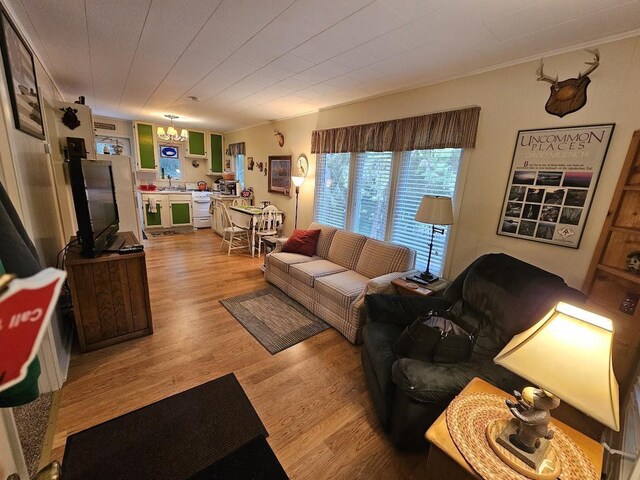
20,71
279,174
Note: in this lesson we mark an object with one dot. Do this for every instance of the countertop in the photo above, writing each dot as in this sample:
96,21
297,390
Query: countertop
186,192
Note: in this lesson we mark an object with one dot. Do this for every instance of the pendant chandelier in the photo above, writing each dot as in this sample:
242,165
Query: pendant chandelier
171,135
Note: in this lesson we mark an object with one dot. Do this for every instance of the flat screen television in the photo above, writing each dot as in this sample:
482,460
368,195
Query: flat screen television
94,199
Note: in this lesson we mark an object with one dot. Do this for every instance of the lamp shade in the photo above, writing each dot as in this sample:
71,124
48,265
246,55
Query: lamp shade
435,210
568,353
297,181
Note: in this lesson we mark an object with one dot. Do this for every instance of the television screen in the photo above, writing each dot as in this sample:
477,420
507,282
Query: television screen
102,209
94,199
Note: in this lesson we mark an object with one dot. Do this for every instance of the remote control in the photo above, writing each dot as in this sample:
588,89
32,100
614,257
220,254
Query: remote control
130,249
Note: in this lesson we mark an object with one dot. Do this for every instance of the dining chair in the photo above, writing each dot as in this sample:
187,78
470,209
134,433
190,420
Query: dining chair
233,234
267,224
240,202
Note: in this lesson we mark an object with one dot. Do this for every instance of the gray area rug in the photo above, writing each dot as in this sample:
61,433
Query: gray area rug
168,232
32,420
274,319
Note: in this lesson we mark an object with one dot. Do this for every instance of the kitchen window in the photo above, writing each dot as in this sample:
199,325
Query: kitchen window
377,194
170,162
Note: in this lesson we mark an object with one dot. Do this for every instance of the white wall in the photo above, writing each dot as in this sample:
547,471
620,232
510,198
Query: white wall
28,175
511,99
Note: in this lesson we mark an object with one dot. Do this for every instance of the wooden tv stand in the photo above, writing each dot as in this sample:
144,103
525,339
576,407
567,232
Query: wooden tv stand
110,295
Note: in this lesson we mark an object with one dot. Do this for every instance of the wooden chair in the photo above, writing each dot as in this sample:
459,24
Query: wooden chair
240,202
232,234
267,224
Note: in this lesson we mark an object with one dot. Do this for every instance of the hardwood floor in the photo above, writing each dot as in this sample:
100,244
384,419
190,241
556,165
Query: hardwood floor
311,397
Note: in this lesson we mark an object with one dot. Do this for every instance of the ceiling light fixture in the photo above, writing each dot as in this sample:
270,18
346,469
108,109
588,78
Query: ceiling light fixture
171,135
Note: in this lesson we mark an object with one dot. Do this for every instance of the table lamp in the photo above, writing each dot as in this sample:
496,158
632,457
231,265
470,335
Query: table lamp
567,354
297,181
436,211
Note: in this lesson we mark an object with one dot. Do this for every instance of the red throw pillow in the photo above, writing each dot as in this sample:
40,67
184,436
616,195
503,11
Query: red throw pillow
303,242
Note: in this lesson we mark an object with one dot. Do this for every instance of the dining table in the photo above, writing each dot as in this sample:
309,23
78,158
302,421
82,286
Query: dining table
248,216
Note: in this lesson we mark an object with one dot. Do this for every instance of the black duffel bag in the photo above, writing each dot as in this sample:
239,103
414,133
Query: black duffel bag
436,337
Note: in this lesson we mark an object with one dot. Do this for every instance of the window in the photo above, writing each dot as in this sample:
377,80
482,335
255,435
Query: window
387,190
423,172
239,164
332,188
372,179
170,163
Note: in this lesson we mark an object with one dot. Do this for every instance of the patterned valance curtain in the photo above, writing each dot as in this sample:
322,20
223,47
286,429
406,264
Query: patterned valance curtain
235,149
453,129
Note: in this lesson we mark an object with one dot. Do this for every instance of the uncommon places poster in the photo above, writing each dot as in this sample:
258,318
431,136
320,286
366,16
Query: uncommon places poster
553,178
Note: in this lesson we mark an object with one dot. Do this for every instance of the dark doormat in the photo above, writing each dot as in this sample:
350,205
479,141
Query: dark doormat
276,320
253,461
171,439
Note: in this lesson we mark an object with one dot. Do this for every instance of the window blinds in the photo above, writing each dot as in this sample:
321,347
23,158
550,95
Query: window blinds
372,181
332,189
423,172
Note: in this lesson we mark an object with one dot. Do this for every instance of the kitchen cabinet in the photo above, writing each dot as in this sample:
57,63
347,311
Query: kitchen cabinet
196,144
216,153
145,147
159,218
180,207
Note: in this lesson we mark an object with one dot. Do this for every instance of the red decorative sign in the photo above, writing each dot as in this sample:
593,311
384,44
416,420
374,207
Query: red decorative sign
25,312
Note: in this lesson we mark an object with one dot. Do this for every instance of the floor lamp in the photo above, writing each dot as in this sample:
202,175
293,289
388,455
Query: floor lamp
297,181
436,211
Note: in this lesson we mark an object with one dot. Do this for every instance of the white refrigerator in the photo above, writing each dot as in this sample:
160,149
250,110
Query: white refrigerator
126,195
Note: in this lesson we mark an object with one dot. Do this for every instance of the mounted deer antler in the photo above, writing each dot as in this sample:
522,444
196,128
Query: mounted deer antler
593,65
569,95
546,78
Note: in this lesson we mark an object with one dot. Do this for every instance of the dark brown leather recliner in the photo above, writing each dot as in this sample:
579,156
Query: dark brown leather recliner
498,295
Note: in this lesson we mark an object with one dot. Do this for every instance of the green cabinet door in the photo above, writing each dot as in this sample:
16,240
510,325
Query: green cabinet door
216,153
146,152
153,219
196,144
180,214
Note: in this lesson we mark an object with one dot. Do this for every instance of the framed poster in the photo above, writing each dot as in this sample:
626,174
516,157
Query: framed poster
21,79
280,174
554,174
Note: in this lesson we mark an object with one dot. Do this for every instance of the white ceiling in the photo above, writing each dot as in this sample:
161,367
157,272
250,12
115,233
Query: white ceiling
249,61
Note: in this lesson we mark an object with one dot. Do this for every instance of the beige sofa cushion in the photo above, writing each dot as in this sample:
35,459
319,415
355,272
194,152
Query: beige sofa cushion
307,272
341,288
379,258
324,241
282,260
345,249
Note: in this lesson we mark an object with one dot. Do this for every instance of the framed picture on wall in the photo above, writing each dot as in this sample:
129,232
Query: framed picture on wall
20,71
280,174
553,178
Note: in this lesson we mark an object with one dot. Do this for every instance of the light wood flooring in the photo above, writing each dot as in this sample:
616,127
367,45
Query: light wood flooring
311,397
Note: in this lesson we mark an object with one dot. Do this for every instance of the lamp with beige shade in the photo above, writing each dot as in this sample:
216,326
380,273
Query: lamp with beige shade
436,211
567,354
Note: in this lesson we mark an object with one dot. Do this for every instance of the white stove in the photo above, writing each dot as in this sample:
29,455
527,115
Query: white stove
200,202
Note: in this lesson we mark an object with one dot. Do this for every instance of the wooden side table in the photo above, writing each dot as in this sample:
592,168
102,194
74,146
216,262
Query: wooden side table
446,461
403,288
110,295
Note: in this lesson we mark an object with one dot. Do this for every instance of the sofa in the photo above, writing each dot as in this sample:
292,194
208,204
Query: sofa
332,283
498,295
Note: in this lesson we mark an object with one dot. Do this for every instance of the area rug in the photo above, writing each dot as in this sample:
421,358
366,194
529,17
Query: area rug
166,233
274,319
32,420
253,461
171,439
